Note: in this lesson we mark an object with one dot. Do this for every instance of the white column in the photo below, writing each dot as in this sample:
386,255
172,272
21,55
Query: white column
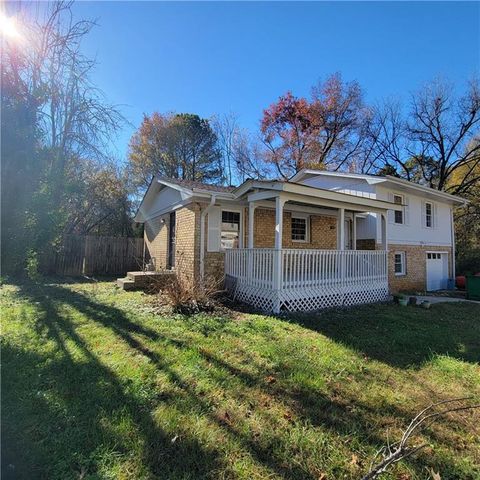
279,203
354,231
277,267
341,229
251,216
384,232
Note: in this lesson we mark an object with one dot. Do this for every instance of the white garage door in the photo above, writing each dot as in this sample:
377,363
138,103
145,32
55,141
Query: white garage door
437,276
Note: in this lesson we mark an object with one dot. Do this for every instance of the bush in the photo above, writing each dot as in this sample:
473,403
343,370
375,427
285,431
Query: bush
188,296
468,262
32,265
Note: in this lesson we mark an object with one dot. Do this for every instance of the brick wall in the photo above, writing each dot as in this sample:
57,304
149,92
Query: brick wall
187,241
323,231
416,266
156,239
323,235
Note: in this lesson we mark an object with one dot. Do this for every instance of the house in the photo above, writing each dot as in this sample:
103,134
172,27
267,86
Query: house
320,239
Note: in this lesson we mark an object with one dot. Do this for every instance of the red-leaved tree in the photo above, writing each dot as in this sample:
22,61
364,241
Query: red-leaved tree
327,131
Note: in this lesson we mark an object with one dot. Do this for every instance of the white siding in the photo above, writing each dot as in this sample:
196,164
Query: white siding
157,202
351,186
366,227
413,232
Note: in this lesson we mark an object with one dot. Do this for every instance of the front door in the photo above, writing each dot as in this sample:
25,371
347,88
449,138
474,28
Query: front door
171,241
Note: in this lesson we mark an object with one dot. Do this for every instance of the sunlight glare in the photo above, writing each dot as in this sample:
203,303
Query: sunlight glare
8,27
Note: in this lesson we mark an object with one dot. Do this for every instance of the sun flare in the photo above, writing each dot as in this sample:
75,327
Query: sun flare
8,27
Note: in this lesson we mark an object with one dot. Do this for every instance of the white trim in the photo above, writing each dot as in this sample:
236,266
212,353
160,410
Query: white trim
203,216
403,257
240,210
402,202
452,228
305,217
169,209
374,179
419,243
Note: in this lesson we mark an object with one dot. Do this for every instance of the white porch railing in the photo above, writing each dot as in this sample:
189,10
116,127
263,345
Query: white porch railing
303,279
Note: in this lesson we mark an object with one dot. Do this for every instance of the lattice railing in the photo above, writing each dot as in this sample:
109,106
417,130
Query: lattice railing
303,280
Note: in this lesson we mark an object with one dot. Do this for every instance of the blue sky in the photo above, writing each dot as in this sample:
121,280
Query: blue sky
209,58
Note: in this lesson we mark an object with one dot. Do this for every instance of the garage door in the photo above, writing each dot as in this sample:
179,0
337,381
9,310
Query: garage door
437,273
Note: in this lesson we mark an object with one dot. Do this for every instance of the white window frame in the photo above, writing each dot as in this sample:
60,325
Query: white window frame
432,216
402,198
403,257
307,227
240,227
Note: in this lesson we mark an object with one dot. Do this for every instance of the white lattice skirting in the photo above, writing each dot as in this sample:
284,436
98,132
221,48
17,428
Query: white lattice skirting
307,299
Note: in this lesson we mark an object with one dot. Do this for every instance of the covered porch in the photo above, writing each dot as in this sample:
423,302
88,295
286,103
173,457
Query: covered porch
305,279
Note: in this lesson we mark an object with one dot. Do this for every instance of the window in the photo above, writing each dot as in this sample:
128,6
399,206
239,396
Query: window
398,199
434,256
400,263
428,215
230,230
299,229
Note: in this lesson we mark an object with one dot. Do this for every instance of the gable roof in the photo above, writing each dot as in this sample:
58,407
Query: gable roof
195,185
387,179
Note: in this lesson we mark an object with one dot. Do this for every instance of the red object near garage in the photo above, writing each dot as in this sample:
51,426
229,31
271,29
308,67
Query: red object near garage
460,281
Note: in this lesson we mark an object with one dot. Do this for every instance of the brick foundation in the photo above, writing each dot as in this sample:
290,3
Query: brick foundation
416,266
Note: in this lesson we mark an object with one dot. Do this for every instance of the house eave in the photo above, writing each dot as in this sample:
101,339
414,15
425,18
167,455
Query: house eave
261,190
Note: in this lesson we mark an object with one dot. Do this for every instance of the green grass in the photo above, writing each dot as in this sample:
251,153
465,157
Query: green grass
96,386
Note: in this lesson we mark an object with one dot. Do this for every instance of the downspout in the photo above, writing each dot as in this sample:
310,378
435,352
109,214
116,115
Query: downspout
452,226
202,236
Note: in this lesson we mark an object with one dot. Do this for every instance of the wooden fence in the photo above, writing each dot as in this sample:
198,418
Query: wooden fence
90,255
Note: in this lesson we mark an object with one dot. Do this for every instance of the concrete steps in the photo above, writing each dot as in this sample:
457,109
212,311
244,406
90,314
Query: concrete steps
140,280
126,283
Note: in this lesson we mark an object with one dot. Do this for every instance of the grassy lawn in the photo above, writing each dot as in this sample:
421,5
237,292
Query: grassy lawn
96,386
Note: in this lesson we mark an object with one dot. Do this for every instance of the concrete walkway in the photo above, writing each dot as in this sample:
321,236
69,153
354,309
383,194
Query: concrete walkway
433,299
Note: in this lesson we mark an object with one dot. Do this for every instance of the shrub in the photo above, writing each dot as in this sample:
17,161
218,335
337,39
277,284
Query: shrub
188,295
32,265
468,262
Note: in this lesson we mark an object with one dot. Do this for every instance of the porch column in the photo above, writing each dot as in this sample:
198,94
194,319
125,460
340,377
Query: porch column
251,216
384,232
277,267
341,229
354,231
279,203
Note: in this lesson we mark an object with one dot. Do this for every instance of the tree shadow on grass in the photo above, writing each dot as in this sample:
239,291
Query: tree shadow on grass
402,336
58,407
89,389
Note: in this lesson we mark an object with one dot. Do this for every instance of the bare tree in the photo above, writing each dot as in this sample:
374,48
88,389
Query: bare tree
74,119
227,130
53,108
438,138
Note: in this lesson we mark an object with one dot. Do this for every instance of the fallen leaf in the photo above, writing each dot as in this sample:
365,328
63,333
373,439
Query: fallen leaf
435,475
287,416
270,379
355,460
225,418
